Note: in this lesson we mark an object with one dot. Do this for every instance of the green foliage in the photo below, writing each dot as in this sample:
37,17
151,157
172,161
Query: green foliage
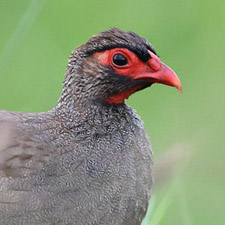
37,36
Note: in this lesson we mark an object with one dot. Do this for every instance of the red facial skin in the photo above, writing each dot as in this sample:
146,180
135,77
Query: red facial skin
154,71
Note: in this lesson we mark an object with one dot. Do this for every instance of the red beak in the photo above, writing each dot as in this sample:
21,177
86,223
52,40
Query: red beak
158,72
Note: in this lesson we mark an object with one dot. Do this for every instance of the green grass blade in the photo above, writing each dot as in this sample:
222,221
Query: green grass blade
25,24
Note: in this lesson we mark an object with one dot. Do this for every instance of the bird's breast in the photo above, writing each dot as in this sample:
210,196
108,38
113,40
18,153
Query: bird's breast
96,174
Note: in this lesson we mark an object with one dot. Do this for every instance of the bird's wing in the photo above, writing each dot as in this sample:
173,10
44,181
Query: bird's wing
17,149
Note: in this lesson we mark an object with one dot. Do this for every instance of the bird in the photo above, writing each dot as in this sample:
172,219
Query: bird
89,159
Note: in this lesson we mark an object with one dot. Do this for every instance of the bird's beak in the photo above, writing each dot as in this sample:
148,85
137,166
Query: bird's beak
158,72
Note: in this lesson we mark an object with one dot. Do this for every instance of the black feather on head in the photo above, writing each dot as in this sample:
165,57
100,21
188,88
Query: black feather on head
116,38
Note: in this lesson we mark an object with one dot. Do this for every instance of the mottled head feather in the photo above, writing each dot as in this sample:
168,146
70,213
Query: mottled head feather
87,79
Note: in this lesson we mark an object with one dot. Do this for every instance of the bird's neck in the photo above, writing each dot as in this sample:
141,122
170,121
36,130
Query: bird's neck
100,112
81,98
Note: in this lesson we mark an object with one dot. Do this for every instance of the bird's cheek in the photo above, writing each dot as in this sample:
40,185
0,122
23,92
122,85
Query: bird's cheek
134,71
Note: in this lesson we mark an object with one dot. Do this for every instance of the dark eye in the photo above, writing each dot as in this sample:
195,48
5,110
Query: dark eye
119,60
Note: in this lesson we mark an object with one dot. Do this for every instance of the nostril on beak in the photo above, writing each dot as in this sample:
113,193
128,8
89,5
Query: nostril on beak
154,64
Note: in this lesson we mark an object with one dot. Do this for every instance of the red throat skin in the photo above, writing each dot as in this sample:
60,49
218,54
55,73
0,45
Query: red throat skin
120,97
153,71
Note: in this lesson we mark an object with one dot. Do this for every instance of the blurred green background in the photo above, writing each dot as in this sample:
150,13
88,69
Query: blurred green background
187,130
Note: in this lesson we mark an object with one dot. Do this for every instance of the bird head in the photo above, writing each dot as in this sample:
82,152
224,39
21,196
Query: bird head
111,66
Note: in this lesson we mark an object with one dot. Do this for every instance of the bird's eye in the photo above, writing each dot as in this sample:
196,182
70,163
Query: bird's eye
119,60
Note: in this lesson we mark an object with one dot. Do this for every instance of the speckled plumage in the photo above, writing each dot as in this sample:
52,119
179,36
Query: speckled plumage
83,162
